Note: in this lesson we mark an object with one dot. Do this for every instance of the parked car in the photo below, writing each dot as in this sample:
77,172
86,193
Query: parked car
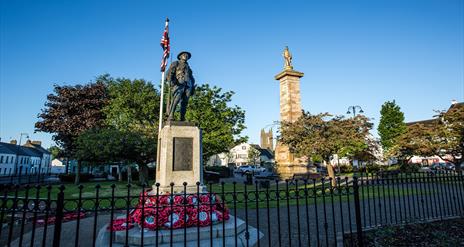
260,169
450,167
245,168
251,168
443,166
425,169
211,177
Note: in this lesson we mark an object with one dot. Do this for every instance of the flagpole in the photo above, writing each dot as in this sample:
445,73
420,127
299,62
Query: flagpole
160,125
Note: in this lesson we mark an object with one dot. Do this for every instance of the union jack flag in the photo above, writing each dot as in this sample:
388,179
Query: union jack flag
165,45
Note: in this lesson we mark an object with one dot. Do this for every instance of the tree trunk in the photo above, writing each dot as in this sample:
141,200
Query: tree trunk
78,172
119,173
143,174
129,174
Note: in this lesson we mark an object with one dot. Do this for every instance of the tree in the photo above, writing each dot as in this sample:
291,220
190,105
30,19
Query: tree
55,152
133,109
221,124
105,145
449,135
391,124
253,155
443,137
416,140
323,135
71,110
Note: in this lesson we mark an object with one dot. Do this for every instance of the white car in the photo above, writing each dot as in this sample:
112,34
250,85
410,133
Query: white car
245,168
251,168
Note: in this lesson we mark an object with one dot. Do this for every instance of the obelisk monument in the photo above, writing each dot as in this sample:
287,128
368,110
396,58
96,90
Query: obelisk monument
290,111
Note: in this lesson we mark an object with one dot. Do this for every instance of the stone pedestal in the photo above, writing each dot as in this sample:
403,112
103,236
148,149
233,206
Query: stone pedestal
220,234
290,111
180,158
287,164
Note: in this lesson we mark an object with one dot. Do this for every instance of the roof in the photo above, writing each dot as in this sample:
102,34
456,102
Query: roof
37,147
267,152
431,121
5,149
459,104
424,122
263,151
9,148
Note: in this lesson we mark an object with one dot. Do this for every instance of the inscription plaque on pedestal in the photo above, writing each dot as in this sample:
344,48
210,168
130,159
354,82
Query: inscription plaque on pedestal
182,159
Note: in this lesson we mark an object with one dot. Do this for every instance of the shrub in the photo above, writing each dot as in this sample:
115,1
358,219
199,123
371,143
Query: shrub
373,168
405,167
346,168
393,168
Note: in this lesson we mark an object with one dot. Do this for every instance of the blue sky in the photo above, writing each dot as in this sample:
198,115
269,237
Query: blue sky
352,52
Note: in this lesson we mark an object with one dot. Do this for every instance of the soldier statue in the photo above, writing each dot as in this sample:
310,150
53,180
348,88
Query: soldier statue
182,84
288,58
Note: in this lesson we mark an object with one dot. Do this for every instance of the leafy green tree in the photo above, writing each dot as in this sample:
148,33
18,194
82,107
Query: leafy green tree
253,155
55,151
324,135
71,110
391,124
105,145
133,109
221,124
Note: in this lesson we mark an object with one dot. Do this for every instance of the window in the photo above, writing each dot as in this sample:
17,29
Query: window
244,147
1,159
7,159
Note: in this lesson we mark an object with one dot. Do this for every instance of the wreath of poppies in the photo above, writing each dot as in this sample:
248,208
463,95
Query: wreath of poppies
173,211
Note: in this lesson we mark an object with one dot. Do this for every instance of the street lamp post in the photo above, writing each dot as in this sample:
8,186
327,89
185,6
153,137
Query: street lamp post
17,149
353,108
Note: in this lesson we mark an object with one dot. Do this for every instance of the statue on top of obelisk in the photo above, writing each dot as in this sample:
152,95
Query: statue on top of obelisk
288,59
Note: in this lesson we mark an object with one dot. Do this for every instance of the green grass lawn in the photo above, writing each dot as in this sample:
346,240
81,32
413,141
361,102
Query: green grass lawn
266,197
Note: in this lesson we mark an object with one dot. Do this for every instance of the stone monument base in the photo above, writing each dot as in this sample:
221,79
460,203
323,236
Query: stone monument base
286,171
219,235
180,158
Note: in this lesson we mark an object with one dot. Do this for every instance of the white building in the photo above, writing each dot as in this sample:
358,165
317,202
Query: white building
58,166
239,156
26,159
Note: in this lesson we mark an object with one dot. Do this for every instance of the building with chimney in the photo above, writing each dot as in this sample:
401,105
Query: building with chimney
26,159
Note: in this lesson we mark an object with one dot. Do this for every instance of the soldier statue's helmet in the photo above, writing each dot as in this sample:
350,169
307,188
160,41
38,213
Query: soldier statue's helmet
184,52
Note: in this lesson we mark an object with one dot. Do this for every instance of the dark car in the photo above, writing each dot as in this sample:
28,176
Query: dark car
267,175
211,177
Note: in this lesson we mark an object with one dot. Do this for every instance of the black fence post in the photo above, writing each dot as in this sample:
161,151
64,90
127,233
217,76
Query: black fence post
59,217
357,210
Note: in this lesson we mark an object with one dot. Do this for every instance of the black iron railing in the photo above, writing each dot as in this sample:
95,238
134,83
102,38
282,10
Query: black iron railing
317,212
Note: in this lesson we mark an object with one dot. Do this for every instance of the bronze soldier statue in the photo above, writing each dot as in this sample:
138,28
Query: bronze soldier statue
182,84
